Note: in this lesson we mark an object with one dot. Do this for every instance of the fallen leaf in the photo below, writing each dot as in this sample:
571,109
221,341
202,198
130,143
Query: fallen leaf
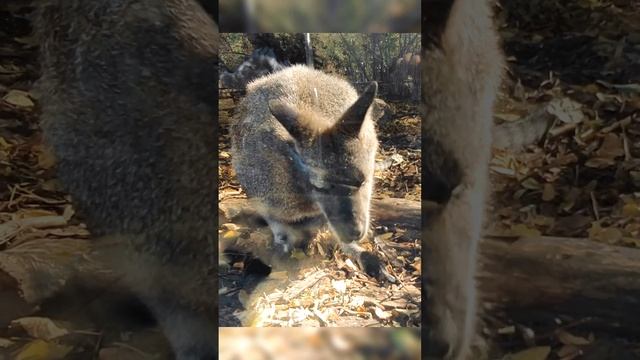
522,230
119,353
548,192
611,147
534,353
230,235
631,210
569,339
42,350
397,158
5,343
381,314
18,98
599,162
566,110
531,184
339,285
507,330
40,327
608,235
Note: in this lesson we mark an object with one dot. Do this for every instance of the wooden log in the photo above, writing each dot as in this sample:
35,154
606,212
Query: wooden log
537,279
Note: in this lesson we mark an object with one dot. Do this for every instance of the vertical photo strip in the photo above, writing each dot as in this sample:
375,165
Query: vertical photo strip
319,179
319,170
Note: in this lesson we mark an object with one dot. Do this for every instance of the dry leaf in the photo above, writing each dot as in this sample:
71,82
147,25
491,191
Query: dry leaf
606,235
599,163
41,267
397,158
5,343
381,314
119,353
531,184
46,158
611,147
230,235
42,350
507,117
40,327
569,339
339,285
548,192
522,230
507,330
566,110
568,352
18,98
534,353
631,210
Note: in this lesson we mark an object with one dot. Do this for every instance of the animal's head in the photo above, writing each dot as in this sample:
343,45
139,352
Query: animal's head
338,158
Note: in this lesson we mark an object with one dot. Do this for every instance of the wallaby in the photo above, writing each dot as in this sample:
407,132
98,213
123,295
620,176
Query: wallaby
461,71
128,97
303,148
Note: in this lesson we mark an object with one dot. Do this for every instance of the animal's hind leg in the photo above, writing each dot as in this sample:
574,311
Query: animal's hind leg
286,236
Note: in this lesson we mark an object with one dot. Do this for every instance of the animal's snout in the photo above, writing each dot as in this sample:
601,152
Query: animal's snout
349,232
357,233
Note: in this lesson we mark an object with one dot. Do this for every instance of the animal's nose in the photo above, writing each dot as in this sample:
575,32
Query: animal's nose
356,233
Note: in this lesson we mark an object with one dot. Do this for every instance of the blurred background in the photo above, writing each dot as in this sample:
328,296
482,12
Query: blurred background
317,344
391,59
319,16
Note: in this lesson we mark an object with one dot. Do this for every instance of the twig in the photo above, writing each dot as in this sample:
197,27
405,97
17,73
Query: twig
561,130
594,204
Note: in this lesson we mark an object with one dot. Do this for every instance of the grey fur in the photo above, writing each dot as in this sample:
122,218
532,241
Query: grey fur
128,98
460,80
303,146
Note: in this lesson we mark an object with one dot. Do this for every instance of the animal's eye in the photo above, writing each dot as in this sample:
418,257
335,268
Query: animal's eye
324,188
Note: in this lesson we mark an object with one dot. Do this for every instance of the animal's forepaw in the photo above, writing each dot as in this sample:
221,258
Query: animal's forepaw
373,266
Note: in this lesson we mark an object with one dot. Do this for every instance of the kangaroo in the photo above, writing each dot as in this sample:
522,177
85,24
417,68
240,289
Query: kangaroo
128,99
303,148
461,71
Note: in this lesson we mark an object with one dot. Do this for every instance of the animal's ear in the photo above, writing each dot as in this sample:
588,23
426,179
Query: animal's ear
352,119
289,117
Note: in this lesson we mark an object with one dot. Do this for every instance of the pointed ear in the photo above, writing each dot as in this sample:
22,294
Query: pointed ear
289,117
352,119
